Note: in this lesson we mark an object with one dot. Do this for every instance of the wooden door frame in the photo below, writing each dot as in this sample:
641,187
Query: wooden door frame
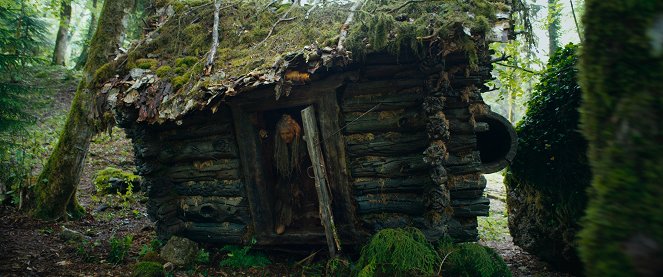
323,96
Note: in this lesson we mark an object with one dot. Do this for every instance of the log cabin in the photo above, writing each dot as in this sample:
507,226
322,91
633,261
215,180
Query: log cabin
319,125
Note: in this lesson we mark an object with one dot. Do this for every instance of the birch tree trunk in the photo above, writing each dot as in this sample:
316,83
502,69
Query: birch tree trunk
80,62
62,39
54,195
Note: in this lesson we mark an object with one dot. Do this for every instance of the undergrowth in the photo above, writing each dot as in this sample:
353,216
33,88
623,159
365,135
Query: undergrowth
242,257
471,259
119,249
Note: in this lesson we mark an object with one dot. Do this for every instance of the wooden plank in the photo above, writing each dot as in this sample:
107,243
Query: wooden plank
252,172
196,131
389,100
386,144
471,207
400,120
223,233
321,186
413,204
467,181
224,169
209,148
344,208
387,167
210,188
381,86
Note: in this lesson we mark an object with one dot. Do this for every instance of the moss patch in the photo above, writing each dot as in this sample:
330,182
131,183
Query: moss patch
148,269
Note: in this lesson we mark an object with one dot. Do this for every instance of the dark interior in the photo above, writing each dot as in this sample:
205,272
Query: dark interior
497,144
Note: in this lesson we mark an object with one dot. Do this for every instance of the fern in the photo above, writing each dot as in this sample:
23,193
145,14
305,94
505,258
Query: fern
241,257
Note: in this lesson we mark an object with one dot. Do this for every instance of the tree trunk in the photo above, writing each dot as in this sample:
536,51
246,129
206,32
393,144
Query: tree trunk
80,62
54,196
622,82
62,40
553,25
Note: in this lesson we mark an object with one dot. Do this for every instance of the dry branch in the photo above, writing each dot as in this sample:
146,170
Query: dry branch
215,39
346,26
313,6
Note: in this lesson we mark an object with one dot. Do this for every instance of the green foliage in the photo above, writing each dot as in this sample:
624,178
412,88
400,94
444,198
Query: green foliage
398,252
548,177
119,249
622,81
202,257
103,177
148,269
87,250
471,259
242,257
147,64
164,71
153,247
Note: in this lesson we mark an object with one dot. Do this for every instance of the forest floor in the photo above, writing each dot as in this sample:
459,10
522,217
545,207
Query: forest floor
30,247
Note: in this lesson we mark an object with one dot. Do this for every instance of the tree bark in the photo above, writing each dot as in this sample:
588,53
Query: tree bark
80,62
62,39
554,25
621,73
54,195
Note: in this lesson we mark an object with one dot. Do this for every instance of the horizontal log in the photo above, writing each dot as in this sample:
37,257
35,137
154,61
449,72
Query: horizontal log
196,131
405,203
463,229
373,166
389,71
415,184
466,194
209,148
455,159
389,100
462,143
471,207
225,169
210,188
214,209
385,144
467,181
460,229
381,86
464,169
384,121
224,233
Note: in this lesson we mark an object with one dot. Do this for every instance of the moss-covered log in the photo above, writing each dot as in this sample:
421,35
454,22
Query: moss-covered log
622,82
54,196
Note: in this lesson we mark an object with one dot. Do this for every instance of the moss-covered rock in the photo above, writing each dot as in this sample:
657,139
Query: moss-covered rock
148,269
547,179
622,81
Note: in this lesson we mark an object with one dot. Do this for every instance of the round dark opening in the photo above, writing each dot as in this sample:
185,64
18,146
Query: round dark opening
207,210
497,145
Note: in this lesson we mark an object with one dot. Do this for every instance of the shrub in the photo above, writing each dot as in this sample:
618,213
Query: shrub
113,180
119,249
148,269
241,257
401,252
471,259
202,257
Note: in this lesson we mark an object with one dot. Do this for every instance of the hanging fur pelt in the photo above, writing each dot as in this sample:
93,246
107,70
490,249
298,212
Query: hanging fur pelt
287,152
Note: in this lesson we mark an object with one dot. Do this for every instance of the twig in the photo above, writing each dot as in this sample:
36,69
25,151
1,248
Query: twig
518,67
215,39
573,11
314,5
439,269
346,26
504,57
405,4
282,19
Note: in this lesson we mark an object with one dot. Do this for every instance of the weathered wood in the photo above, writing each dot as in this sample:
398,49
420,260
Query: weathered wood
334,146
386,144
406,203
225,233
381,86
463,229
470,207
464,169
224,169
385,121
196,131
462,143
414,184
321,186
214,209
209,148
373,166
388,100
455,159
252,172
468,181
466,194
390,71
210,188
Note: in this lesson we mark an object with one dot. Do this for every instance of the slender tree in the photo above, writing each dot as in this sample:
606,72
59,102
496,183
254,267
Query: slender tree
554,25
62,39
54,195
622,82
80,62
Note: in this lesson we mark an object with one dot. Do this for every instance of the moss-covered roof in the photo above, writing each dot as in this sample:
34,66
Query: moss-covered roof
164,76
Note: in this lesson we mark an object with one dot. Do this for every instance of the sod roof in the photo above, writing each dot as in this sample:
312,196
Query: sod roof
262,43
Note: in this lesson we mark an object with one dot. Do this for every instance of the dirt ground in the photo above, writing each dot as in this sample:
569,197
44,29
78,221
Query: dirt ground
30,247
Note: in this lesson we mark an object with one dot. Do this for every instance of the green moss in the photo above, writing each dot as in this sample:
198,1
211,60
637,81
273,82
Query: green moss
104,73
471,259
186,61
147,63
622,81
164,71
148,269
103,177
398,252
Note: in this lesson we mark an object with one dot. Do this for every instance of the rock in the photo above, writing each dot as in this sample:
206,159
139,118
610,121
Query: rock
71,235
101,207
168,267
179,251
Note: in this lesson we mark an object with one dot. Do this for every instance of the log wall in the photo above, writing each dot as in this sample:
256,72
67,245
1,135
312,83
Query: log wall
191,171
